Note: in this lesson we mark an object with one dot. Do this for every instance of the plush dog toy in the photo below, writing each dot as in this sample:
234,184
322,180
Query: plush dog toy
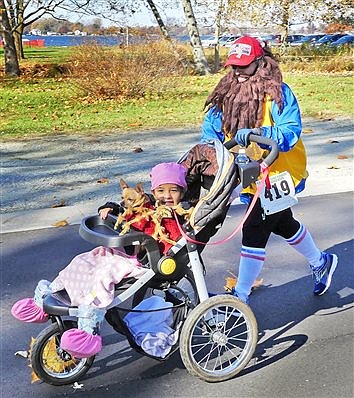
135,201
140,213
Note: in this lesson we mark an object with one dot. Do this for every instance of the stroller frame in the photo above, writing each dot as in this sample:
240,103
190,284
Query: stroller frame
218,335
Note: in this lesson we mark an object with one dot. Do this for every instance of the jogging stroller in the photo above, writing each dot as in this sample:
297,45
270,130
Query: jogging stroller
216,336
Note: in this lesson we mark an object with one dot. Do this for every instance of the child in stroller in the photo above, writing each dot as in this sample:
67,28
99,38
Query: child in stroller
90,278
216,338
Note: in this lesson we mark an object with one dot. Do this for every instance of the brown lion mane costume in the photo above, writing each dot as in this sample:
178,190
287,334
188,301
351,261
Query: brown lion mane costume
242,103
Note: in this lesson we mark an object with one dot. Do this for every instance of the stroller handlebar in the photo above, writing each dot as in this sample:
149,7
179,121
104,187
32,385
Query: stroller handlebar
274,150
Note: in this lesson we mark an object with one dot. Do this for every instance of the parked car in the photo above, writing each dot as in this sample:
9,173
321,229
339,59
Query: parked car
343,41
293,39
309,39
208,41
226,41
327,39
275,40
271,40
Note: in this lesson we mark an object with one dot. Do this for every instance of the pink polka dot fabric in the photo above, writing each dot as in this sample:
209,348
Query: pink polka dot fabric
90,277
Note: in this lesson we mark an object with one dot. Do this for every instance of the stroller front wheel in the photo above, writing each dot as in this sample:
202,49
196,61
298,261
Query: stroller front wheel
52,364
218,338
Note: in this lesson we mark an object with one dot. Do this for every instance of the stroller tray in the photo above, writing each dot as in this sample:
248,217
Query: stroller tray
101,232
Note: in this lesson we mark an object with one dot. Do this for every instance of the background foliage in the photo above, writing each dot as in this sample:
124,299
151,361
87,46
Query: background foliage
125,72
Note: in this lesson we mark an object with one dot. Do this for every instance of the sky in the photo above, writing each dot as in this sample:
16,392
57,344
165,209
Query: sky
143,17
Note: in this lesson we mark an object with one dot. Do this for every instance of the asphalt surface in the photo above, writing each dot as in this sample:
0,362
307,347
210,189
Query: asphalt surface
306,342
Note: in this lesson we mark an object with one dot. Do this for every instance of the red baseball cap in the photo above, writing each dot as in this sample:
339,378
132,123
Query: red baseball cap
243,51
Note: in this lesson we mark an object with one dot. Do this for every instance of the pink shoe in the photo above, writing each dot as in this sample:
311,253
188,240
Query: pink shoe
80,344
26,310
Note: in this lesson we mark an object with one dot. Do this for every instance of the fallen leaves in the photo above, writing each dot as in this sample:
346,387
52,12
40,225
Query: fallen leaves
62,223
60,204
323,117
231,282
342,157
137,149
103,180
307,131
34,377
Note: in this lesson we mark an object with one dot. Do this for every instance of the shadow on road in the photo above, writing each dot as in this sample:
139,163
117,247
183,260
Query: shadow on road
278,310
288,305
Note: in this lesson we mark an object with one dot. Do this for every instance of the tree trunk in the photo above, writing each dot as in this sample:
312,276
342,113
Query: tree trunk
11,62
158,19
18,44
165,33
200,60
285,25
217,34
19,29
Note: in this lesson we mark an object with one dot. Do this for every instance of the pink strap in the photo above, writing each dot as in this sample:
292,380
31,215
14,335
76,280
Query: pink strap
265,168
264,180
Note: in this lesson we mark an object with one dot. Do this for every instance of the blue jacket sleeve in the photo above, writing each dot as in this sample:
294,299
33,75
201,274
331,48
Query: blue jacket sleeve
211,127
287,123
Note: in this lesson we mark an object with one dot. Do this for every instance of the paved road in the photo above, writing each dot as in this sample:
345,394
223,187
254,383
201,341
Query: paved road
306,342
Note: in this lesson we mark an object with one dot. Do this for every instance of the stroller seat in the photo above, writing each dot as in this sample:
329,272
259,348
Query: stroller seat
54,304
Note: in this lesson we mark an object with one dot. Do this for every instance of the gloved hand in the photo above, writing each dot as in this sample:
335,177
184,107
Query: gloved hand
242,137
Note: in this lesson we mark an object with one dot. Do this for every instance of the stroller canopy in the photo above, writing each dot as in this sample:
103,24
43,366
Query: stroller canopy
212,176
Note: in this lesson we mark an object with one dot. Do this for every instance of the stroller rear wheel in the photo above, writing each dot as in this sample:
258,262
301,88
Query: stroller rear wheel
218,338
54,365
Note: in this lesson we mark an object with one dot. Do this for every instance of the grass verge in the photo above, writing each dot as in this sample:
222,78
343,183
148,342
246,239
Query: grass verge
47,106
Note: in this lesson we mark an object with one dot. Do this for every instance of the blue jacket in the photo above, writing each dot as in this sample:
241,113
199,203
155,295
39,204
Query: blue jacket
284,127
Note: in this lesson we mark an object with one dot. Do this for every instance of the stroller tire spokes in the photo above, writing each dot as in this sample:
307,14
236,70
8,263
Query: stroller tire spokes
52,364
218,338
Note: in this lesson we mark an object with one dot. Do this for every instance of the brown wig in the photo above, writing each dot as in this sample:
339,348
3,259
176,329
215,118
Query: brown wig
242,103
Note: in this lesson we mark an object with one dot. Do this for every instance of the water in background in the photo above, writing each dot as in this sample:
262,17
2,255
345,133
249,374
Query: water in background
70,40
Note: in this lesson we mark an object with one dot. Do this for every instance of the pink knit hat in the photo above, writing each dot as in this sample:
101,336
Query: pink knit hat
168,173
80,344
26,310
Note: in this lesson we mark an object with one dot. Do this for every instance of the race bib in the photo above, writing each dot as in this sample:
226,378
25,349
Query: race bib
281,194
